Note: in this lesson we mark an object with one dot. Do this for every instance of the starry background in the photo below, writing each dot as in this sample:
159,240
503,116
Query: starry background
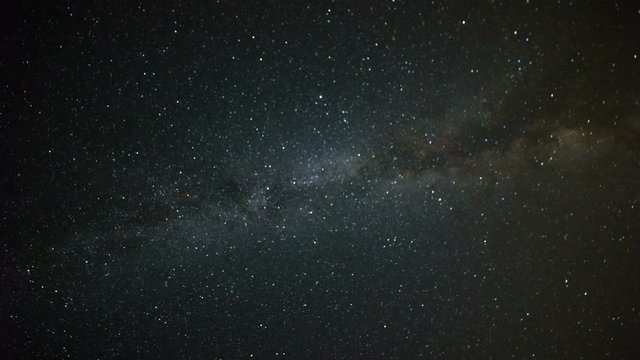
323,180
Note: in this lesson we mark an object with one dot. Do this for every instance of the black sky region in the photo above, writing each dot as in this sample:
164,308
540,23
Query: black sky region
320,180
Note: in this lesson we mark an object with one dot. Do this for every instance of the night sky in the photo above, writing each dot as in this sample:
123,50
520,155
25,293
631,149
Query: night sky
330,180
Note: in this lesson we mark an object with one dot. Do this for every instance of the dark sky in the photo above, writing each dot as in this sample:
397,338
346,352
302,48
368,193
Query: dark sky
332,180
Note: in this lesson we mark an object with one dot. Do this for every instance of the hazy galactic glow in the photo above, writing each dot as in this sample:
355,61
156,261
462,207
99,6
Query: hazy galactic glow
395,180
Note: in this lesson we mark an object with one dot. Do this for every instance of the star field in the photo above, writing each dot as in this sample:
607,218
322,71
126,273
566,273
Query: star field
330,180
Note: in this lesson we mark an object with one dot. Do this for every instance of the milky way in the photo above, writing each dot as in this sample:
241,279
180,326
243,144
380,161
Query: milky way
398,180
